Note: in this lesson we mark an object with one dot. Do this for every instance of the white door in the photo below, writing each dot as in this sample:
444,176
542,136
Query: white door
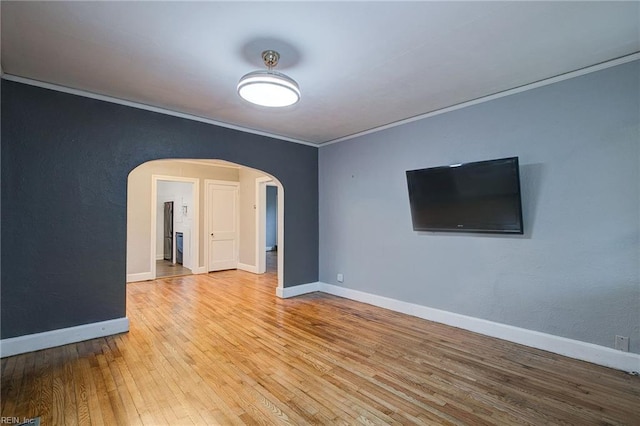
222,221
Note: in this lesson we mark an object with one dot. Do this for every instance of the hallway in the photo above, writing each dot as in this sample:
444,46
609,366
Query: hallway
164,269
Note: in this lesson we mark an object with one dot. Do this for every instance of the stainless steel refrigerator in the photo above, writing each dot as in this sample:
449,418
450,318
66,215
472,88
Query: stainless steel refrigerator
168,231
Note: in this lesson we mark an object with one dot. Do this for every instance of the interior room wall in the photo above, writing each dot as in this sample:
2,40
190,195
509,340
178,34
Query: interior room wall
575,271
72,154
139,205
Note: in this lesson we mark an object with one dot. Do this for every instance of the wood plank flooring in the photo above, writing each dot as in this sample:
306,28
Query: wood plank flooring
165,268
222,349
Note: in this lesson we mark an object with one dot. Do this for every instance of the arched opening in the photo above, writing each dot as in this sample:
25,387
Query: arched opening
145,221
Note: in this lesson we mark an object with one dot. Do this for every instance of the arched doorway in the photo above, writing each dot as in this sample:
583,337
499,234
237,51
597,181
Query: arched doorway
142,216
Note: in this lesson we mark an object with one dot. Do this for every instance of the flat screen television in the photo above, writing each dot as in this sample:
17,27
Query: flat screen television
482,196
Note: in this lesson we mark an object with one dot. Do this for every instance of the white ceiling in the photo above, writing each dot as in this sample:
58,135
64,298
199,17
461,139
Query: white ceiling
360,65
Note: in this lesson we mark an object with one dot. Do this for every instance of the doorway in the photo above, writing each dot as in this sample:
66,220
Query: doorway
271,228
167,234
142,219
174,226
274,258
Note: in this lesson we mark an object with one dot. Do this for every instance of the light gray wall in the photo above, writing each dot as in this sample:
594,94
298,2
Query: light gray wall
574,273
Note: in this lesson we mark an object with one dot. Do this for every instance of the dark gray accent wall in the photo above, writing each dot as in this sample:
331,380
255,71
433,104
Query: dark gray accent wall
65,161
576,270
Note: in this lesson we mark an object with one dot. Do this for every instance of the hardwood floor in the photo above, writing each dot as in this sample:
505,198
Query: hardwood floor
165,268
271,263
222,349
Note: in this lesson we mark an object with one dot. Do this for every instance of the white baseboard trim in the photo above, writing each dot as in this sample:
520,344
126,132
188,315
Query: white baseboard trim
142,276
589,352
199,270
159,256
248,268
286,292
64,336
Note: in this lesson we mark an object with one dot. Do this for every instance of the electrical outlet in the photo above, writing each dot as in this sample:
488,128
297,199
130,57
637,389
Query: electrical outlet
340,278
622,343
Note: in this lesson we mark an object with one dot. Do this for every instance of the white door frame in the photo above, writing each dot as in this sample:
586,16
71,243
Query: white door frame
261,226
207,212
195,234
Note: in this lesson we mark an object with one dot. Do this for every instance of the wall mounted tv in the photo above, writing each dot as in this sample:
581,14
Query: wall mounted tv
483,196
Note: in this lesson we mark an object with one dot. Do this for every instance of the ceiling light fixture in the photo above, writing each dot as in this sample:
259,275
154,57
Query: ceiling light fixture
269,88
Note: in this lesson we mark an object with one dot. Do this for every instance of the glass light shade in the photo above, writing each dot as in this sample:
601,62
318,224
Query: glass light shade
269,88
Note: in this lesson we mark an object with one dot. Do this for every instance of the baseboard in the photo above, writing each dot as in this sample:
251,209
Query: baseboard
199,270
576,349
142,276
159,256
248,268
286,292
63,336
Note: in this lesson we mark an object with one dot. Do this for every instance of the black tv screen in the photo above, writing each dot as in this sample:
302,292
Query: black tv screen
482,196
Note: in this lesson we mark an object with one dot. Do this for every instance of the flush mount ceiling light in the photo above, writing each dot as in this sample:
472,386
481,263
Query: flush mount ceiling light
267,87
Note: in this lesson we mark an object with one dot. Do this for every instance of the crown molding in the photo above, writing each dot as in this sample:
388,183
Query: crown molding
86,94
519,89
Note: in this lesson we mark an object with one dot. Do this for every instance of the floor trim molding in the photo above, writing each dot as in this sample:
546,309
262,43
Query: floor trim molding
576,349
64,336
248,268
141,276
286,292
